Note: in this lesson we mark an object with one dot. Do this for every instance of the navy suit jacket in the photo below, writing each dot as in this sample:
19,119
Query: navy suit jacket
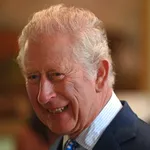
125,132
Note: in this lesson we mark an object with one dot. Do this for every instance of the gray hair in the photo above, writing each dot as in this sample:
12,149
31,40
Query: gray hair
91,42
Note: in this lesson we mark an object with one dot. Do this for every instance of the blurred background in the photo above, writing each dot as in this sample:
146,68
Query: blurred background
127,24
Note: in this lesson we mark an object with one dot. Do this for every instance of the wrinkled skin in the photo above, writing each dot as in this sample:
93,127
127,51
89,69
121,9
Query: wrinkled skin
54,80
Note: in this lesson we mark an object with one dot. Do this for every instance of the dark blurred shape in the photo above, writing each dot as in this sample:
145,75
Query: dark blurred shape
34,135
38,127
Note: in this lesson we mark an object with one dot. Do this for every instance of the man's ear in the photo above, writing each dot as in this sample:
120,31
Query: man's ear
102,75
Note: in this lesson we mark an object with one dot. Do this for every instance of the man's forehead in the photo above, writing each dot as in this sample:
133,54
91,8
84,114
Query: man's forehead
54,43
48,63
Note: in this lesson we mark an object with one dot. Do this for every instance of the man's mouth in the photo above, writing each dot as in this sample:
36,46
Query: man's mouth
58,110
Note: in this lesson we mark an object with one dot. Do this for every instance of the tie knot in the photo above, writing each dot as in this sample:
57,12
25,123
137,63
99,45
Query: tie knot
71,145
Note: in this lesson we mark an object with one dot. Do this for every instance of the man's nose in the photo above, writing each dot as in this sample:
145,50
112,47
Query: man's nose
46,92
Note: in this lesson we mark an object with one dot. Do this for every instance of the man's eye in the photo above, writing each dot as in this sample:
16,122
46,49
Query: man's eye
56,76
33,78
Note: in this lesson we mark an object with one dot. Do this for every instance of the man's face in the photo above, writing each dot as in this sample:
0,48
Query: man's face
60,92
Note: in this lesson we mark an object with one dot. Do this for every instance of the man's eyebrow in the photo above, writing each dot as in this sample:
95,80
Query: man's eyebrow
30,71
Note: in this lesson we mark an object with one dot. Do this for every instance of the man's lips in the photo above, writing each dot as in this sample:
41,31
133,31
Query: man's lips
58,110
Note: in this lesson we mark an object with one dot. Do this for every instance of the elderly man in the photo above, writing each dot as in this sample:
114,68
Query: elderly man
66,62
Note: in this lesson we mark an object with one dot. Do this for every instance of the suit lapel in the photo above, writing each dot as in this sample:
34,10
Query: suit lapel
121,129
107,142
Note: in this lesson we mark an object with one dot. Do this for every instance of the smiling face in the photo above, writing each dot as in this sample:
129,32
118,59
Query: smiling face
60,92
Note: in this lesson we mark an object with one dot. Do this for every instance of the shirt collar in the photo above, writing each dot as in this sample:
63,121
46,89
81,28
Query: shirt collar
89,137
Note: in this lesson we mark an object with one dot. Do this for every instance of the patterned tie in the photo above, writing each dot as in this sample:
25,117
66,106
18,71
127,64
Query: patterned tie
71,145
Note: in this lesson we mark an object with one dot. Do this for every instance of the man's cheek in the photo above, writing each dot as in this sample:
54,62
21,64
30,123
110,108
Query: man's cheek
31,94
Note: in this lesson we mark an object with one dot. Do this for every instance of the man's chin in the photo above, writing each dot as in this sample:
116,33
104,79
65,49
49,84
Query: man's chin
62,130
